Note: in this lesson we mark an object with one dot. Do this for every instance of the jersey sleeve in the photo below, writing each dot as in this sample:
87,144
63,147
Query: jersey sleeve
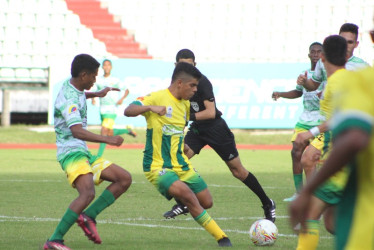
353,106
206,89
71,114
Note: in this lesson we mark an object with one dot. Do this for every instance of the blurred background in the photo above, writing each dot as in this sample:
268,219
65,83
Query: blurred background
246,48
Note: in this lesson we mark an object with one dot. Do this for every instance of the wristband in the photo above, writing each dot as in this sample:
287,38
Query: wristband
192,117
314,131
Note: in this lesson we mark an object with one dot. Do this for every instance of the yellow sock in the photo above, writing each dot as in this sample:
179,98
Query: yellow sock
210,225
308,240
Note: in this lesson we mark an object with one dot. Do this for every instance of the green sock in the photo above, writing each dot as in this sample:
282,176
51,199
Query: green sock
298,180
69,218
120,131
104,201
101,149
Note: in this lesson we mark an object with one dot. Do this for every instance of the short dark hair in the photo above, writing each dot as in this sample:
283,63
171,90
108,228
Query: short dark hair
184,68
185,54
107,60
315,43
335,50
349,27
83,62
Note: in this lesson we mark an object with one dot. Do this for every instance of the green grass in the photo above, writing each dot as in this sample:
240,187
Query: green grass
34,194
25,134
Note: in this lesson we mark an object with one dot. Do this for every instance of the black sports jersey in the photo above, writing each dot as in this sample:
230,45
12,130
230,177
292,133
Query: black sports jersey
204,92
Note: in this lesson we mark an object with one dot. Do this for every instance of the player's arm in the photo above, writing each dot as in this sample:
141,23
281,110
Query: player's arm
134,110
309,84
345,147
120,101
208,113
293,94
80,133
100,93
304,137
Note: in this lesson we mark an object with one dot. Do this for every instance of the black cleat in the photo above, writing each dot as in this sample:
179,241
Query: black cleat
224,242
176,210
269,211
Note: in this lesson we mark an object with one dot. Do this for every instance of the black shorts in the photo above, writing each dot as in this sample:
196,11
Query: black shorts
217,135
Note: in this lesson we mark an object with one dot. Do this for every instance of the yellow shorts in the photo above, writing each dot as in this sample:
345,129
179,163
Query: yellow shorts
318,142
108,123
297,131
77,164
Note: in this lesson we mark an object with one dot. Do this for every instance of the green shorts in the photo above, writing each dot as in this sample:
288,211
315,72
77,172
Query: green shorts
162,179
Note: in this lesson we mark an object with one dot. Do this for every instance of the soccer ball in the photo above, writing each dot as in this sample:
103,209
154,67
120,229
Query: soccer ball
263,232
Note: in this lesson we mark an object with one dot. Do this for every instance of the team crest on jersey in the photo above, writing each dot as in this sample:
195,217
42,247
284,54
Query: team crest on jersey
169,111
73,108
195,106
162,172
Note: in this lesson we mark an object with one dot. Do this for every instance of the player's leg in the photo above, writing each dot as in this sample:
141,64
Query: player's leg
80,176
311,156
182,192
238,170
121,181
308,238
106,129
329,219
122,131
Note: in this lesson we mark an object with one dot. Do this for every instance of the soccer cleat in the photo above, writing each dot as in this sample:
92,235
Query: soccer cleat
224,242
55,244
176,210
292,198
269,211
88,226
131,132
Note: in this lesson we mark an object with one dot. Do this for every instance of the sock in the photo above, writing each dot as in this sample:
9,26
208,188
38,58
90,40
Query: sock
309,239
69,218
298,180
101,149
105,200
210,225
120,131
252,183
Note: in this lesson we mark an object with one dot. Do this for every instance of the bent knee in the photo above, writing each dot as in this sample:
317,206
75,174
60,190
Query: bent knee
125,180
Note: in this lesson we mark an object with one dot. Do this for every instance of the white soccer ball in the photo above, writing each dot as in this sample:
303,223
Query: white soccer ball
263,232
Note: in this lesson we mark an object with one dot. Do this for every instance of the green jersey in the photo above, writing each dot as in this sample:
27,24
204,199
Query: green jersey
70,109
311,115
108,104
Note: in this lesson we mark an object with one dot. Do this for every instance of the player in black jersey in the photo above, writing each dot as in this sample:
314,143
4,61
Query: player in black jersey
209,128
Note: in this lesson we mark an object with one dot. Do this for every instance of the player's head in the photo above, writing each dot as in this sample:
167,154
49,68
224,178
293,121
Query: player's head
185,55
107,66
84,67
315,50
334,50
185,79
350,32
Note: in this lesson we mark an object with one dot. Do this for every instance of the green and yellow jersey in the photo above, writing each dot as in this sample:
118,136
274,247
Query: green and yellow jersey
165,134
354,109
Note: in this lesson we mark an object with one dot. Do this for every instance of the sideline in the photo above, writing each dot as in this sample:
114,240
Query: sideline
137,146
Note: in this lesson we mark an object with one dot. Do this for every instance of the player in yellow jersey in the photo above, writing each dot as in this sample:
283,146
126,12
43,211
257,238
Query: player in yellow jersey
328,195
165,165
352,125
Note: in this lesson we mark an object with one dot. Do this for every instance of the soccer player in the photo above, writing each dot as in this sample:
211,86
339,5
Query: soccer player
349,31
208,128
353,148
328,195
164,163
109,103
308,119
83,170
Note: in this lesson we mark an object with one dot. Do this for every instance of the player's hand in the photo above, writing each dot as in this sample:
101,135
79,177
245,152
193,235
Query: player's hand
114,140
119,102
160,110
275,95
301,80
299,208
105,91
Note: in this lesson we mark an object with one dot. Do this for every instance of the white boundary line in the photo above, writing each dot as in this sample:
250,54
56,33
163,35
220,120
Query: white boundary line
4,218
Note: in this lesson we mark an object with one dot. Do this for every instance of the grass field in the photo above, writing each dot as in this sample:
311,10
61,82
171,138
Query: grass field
34,195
